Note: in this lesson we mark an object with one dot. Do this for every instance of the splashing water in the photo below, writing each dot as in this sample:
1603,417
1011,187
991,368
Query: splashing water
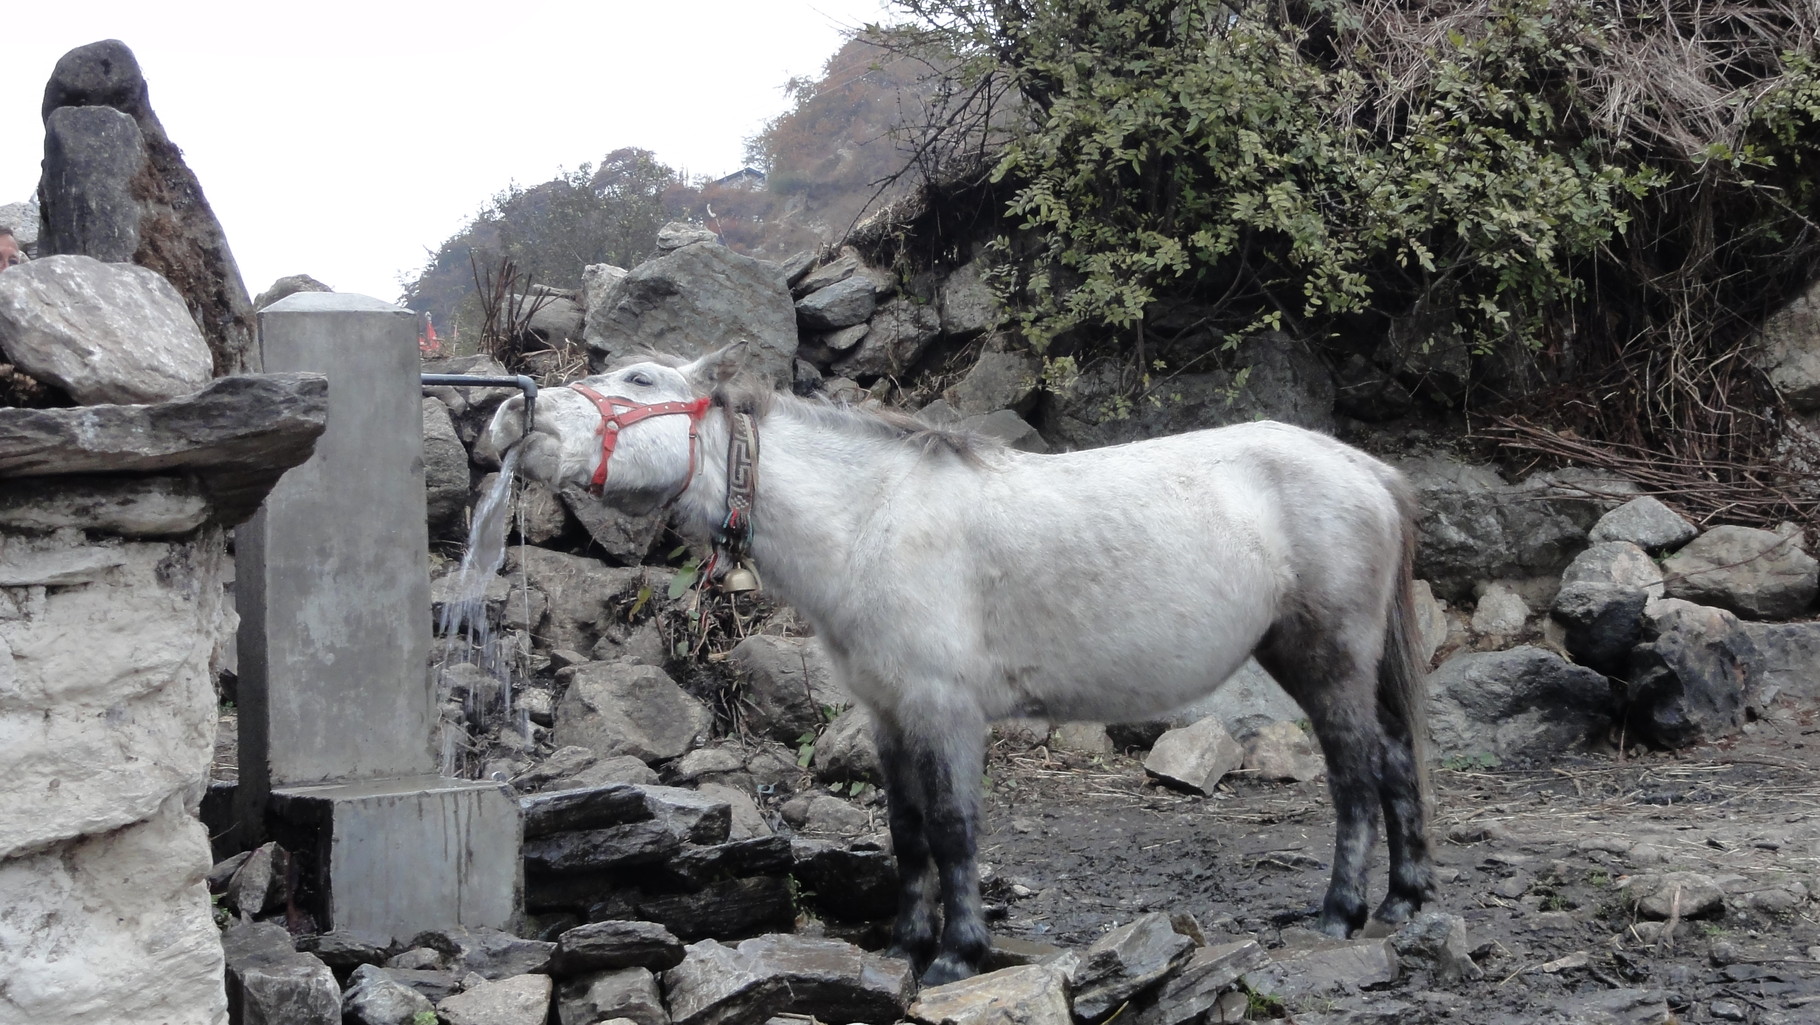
467,632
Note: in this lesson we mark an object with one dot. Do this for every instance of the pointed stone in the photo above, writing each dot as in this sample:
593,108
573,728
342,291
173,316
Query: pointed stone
1126,961
1196,756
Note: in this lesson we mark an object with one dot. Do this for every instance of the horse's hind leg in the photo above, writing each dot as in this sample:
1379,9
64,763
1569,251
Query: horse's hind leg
913,934
1411,869
1336,690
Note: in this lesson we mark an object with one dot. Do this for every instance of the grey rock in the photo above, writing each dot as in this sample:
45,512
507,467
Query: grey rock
599,946
1615,562
1020,995
372,998
1758,574
846,750
747,821
1646,523
91,157
997,380
697,867
236,436
607,771
728,909
1436,941
179,236
629,710
597,279
471,407
694,816
697,299
490,953
269,983
103,332
582,808
541,516
418,959
1786,351
1692,677
827,979
599,850
843,304
288,285
826,815
677,234
843,339
1288,381
1788,659
1523,703
520,1000
555,320
259,884
347,949
140,507
624,539
615,994
633,643
1500,612
564,763
1283,751
222,871
846,884
1196,988
1125,962
1195,757
789,682
1687,894
537,704
434,983
445,471
583,593
968,305
842,267
1473,526
1602,622
1328,967
708,762
901,330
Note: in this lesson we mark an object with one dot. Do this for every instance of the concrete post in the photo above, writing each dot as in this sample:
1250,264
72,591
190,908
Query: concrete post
337,705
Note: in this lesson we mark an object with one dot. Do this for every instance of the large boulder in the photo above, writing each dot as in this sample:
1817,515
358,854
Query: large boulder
615,709
1521,704
696,299
1284,379
102,332
168,224
445,472
583,594
897,335
1787,353
1475,527
790,686
1693,676
1759,574
1646,523
1788,658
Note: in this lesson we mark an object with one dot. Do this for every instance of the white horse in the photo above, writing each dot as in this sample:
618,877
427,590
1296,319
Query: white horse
954,581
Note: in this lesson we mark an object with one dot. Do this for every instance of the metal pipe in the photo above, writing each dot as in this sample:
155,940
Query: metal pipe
521,382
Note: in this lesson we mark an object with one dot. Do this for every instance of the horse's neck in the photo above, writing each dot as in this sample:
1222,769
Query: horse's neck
816,487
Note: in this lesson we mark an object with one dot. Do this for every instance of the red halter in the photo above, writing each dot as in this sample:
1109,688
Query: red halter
616,414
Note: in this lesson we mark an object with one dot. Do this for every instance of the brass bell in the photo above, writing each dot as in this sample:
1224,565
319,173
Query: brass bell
740,579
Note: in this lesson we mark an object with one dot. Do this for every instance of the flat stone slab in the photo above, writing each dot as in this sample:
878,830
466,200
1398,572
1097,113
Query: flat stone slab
599,946
1330,967
521,1000
236,436
1024,995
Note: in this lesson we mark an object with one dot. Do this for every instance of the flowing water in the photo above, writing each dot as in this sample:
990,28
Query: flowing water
467,632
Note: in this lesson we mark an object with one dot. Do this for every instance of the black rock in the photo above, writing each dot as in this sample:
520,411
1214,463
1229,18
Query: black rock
598,946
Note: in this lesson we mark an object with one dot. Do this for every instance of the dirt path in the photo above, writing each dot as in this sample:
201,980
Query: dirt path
1537,861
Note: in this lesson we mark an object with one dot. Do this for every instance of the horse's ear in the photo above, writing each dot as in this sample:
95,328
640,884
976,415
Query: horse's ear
717,367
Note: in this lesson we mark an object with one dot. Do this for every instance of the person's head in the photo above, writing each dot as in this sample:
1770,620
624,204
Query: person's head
11,252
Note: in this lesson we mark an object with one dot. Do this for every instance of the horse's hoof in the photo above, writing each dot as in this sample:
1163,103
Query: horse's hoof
1396,911
947,968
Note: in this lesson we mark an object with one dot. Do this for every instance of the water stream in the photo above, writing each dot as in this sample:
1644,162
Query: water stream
468,635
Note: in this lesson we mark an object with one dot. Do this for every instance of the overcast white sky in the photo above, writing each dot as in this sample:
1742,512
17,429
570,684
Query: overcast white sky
345,140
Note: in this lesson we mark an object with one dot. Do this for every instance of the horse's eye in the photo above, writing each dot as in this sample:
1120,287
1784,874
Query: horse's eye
640,378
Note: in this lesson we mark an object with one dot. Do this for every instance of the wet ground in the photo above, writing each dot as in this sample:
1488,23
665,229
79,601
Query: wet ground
1536,860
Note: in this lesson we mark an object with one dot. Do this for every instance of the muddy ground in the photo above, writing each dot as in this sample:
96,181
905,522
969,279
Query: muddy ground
1536,861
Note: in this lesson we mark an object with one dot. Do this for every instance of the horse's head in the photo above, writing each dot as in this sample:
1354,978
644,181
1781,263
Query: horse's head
646,412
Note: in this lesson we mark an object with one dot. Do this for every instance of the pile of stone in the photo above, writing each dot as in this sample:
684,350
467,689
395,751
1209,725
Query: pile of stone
1156,970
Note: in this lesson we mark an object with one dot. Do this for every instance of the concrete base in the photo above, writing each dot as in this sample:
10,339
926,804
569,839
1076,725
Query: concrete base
399,856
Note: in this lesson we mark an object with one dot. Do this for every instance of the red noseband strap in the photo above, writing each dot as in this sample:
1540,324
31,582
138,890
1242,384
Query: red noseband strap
617,414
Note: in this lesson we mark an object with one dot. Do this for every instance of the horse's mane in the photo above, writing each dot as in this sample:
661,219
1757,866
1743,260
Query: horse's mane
748,394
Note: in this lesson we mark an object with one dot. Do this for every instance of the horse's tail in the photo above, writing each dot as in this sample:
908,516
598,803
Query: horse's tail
1403,671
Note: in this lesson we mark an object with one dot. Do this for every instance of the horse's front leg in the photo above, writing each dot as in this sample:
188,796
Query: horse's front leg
913,934
941,754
